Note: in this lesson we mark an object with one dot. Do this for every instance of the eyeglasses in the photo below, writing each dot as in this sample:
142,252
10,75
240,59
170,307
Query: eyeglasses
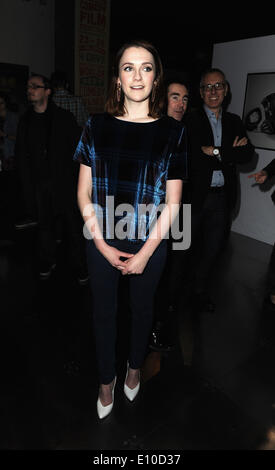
33,86
217,86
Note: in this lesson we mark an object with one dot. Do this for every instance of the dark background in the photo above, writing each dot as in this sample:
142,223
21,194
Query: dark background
184,34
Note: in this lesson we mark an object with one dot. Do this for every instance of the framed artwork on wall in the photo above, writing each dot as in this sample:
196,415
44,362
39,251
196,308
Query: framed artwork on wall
259,109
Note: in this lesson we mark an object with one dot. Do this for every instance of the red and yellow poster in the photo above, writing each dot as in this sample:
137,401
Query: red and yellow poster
91,52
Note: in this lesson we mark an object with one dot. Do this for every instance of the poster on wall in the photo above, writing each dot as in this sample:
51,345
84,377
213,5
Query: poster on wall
259,109
91,52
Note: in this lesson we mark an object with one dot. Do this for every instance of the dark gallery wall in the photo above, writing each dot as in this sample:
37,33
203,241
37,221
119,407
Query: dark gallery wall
65,38
26,45
27,34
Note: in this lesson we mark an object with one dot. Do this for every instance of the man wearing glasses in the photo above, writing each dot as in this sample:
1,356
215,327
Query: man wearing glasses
46,140
218,142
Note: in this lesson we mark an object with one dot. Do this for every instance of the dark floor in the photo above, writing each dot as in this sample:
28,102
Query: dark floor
49,383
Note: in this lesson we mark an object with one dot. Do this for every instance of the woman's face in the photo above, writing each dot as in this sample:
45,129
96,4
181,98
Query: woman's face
137,72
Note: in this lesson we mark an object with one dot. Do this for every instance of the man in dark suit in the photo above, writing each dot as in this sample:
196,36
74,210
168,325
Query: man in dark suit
47,136
162,338
217,143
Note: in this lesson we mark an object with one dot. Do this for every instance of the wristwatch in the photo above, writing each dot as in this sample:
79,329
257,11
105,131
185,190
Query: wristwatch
216,151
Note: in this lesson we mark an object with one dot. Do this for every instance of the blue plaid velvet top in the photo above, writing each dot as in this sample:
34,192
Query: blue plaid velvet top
130,164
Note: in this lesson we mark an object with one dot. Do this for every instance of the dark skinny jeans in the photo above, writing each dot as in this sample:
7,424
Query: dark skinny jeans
104,280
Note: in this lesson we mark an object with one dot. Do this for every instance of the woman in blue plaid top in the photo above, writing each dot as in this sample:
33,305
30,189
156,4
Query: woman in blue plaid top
130,182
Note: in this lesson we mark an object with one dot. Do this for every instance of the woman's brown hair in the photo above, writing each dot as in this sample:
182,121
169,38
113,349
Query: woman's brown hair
115,100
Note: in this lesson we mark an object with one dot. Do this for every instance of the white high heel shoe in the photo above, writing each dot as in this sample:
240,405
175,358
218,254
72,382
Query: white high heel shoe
131,393
104,411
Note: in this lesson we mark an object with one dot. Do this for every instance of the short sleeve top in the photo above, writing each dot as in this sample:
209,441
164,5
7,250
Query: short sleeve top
130,164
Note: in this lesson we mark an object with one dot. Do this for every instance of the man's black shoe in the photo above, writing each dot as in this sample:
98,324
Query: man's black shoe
46,271
83,277
157,343
25,223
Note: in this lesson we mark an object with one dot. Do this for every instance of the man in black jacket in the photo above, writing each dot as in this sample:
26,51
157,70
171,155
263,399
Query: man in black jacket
218,142
46,140
162,338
